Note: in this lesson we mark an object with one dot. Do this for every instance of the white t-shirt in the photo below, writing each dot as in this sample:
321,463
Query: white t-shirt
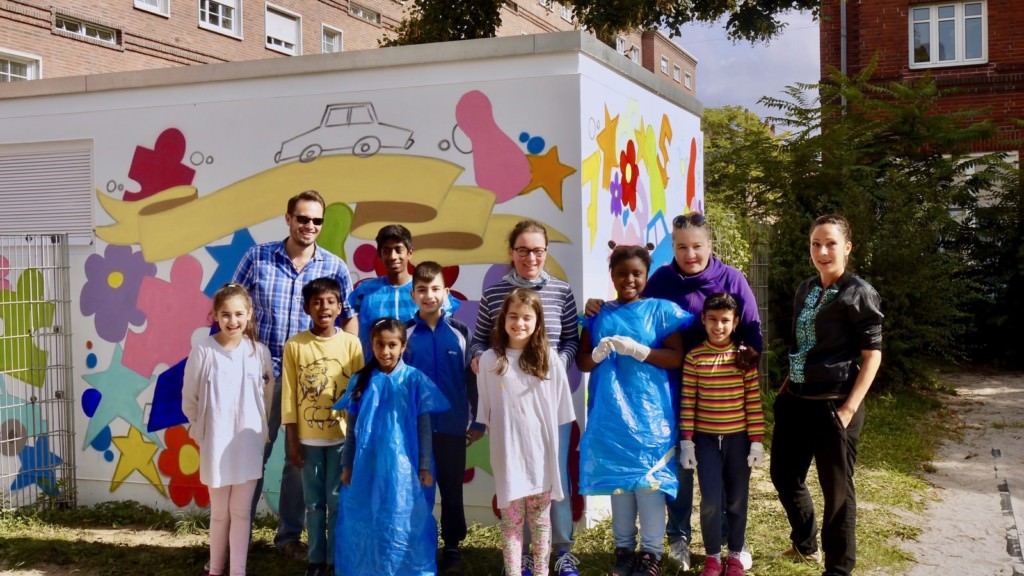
223,397
522,414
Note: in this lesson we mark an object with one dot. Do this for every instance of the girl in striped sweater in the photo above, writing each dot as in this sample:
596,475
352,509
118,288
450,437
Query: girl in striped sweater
722,425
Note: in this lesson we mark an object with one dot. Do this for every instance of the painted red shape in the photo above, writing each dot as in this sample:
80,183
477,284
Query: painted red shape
161,167
691,176
468,475
498,162
174,310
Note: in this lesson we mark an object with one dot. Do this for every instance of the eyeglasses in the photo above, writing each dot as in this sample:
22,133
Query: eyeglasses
693,219
303,220
523,252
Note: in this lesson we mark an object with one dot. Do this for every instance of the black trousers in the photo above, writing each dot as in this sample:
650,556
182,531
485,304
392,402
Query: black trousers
450,462
806,429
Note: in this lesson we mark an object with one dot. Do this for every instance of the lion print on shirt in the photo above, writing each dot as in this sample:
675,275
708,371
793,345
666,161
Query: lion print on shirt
321,384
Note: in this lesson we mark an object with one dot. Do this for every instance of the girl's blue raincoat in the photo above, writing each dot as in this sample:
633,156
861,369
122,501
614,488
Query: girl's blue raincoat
629,443
385,521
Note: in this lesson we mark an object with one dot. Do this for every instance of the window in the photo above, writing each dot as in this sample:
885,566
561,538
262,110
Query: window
17,66
688,81
363,13
547,4
332,40
620,45
948,34
676,71
224,16
161,7
566,12
77,27
634,54
284,31
664,65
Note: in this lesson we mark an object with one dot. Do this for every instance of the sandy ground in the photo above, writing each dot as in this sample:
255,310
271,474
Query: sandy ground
974,525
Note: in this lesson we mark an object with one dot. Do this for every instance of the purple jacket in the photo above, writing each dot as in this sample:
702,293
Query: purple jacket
689,292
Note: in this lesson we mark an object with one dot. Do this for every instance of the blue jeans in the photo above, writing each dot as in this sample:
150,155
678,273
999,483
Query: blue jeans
321,475
650,506
290,508
561,510
722,468
680,508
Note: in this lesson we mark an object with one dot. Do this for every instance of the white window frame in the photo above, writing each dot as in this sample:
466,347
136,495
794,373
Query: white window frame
324,30
158,7
364,13
634,53
688,81
664,65
565,12
676,72
959,19
282,44
235,30
620,44
33,62
548,5
85,30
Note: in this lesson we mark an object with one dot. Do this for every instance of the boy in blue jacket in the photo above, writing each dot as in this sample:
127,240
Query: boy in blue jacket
438,346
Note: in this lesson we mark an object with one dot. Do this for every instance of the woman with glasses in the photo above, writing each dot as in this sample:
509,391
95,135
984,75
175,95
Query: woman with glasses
528,248
694,274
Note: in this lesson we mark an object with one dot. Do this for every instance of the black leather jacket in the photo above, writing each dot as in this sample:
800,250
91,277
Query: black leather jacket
844,327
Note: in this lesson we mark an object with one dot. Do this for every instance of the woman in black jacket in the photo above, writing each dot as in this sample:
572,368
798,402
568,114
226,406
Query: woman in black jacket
836,352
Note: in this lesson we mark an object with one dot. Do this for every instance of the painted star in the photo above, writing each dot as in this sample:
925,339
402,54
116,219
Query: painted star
119,387
227,257
478,455
606,142
136,455
548,172
38,466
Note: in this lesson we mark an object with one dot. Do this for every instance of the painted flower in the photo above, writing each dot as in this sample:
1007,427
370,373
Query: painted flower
112,289
5,269
616,192
180,461
630,174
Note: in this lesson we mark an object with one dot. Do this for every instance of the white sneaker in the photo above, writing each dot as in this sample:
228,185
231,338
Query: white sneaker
679,550
746,558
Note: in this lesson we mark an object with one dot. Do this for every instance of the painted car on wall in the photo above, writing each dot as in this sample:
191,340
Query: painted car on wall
350,126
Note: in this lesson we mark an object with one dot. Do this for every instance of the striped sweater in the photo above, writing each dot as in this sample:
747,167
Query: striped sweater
717,397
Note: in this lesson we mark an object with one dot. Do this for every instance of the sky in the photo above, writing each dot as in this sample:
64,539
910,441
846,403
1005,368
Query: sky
739,74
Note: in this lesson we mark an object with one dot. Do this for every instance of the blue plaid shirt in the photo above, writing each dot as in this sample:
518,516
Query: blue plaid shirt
267,273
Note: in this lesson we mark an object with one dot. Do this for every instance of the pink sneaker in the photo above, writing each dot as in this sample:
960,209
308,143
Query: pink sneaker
712,566
733,566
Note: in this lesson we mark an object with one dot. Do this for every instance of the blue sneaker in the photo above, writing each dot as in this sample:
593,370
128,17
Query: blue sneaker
527,566
567,565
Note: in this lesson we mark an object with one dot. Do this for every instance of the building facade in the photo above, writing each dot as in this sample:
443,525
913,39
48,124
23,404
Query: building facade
53,38
973,49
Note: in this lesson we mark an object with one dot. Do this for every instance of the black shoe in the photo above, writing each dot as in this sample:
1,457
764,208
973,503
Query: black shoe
624,561
647,565
451,561
316,569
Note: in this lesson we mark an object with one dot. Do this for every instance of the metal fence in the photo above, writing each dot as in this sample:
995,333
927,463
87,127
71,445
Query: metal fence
37,452
760,254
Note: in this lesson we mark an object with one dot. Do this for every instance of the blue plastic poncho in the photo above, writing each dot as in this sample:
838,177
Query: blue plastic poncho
629,443
385,522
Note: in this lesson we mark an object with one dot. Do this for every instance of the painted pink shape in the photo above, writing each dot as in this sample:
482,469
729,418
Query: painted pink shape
161,167
174,310
498,162
5,283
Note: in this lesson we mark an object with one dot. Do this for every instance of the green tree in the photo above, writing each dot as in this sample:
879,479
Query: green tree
443,21
882,156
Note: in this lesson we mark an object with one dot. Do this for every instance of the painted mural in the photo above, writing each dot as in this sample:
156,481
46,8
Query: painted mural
167,242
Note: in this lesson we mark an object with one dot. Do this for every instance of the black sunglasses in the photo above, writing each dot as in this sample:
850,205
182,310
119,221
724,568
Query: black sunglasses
693,219
303,220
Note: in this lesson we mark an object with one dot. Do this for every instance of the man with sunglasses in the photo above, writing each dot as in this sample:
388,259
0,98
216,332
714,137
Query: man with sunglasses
274,273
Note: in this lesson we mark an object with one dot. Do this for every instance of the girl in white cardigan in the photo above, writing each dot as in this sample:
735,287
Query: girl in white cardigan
223,396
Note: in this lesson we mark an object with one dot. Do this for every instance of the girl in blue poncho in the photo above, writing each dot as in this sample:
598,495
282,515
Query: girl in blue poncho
385,521
627,450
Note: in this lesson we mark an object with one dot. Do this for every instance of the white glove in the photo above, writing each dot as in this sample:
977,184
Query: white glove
756,456
629,347
602,350
687,454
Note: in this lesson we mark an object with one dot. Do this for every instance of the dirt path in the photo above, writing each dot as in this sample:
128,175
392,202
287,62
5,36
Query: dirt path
974,527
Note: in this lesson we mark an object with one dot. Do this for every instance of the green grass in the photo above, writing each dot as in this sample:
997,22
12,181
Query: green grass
901,434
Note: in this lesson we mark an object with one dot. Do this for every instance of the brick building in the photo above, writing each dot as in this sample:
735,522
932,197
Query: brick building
666,58
52,38
973,46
